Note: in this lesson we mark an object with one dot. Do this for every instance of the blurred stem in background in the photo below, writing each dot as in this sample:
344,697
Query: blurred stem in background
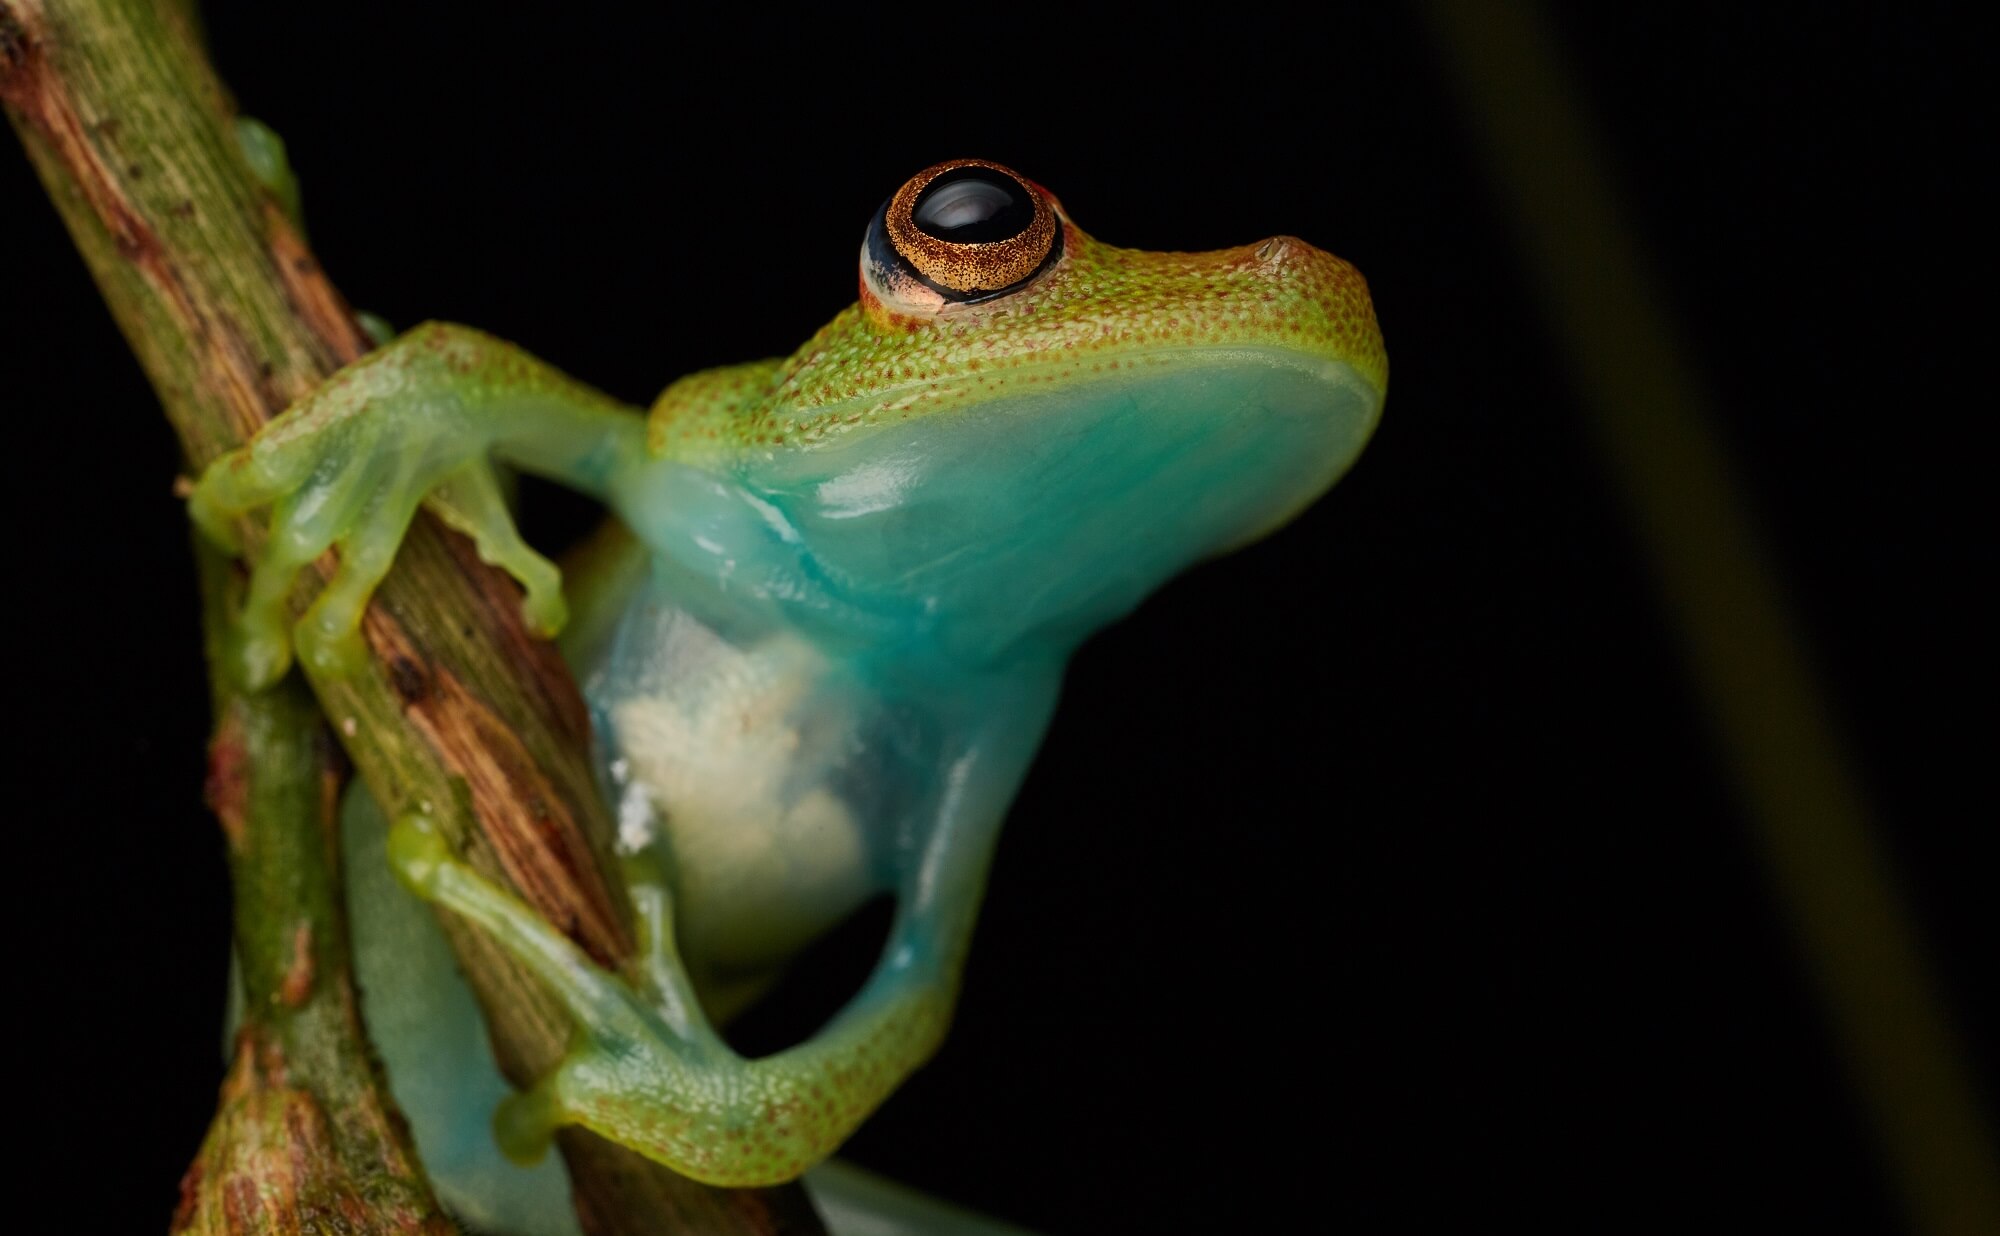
1652,422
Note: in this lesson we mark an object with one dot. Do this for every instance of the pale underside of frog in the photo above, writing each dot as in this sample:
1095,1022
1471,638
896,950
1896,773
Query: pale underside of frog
822,659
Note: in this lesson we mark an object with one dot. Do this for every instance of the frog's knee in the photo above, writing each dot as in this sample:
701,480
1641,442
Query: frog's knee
418,853
526,1122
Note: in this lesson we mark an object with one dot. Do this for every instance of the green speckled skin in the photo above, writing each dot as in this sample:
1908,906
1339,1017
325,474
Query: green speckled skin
1101,311
824,669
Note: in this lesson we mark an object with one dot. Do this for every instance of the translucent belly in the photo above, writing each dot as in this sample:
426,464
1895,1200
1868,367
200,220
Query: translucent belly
762,773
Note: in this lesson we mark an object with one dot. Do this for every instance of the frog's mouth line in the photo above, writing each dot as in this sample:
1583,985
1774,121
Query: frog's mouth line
928,397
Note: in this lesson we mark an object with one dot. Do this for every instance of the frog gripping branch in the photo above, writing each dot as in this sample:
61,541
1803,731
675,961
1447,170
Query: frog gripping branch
822,668
231,318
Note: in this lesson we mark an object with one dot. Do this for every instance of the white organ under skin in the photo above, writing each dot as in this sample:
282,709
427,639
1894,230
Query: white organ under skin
728,753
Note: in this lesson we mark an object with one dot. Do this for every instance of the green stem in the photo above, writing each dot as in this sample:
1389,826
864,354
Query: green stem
306,1137
462,715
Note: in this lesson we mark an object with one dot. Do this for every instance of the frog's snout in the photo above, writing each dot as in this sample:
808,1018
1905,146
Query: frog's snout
1315,302
1301,259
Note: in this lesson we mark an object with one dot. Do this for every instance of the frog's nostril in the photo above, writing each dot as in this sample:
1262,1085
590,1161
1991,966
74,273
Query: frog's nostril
1288,257
1283,250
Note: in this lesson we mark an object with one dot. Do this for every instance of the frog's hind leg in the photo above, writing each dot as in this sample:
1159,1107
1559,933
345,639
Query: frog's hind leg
659,1080
425,1023
610,1019
648,1072
602,1006
426,1027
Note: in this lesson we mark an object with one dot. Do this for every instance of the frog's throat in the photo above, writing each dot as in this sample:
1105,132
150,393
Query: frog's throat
1052,508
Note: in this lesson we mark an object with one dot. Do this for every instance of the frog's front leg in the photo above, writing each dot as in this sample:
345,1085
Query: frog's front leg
646,1069
419,420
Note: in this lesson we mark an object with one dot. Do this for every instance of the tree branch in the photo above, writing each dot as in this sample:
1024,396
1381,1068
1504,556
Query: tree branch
462,714
306,1137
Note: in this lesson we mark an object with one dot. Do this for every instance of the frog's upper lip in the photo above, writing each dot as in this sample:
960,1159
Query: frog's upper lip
1057,370
1137,362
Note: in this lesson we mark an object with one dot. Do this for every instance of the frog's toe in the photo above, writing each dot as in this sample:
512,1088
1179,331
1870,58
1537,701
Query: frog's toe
329,635
238,483
542,604
470,501
418,854
259,644
260,657
216,524
304,526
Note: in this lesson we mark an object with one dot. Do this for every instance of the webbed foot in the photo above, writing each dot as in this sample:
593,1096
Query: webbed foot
345,469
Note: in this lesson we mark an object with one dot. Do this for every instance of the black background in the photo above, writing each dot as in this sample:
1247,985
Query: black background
1386,869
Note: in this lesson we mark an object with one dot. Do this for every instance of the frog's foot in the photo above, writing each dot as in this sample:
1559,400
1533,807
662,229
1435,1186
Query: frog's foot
645,1070
345,469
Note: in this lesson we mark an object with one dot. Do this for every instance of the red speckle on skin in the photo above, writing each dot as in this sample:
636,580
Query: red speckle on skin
297,986
227,787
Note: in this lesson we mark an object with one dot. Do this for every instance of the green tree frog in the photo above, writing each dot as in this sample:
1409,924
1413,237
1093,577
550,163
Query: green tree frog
824,657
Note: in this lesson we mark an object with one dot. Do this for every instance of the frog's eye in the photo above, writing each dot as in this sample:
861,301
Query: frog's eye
961,232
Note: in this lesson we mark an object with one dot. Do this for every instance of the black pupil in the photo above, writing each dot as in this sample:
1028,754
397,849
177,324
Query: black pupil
973,205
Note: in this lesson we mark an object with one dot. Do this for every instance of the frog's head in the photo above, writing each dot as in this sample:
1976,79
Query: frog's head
1023,429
